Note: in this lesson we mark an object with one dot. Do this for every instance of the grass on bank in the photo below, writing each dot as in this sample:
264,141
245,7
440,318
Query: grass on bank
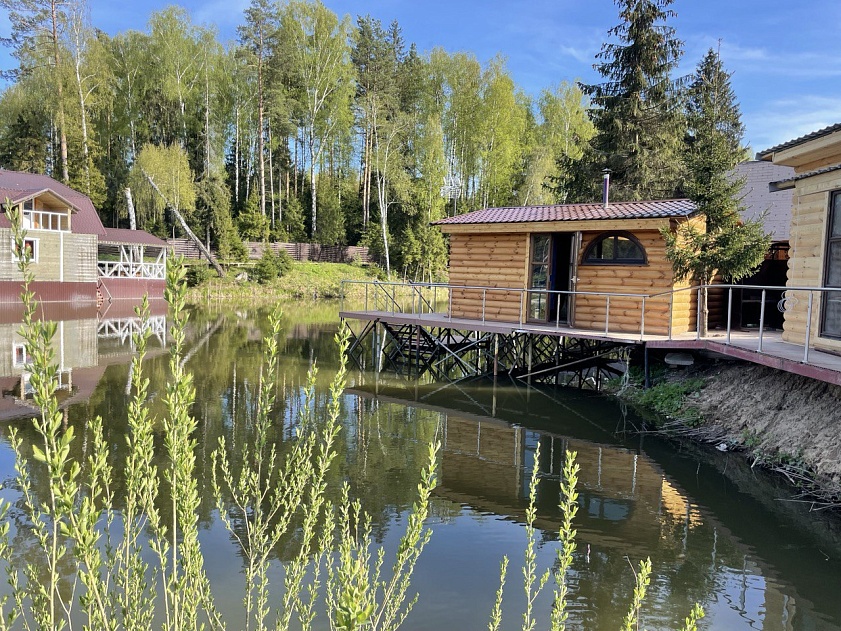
669,396
305,280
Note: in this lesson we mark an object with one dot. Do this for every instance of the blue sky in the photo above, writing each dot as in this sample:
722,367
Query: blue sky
784,55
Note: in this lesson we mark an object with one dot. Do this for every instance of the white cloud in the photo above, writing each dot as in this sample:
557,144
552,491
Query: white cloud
785,119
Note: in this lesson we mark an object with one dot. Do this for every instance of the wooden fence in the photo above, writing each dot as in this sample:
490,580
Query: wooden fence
298,251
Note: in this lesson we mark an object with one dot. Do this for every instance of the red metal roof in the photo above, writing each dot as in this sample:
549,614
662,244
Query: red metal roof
18,185
660,209
131,237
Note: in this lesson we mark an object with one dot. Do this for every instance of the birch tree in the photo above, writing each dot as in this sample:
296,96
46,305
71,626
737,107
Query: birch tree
318,52
38,28
256,38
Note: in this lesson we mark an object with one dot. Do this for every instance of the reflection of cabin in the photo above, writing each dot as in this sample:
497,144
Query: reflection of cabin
815,254
622,495
536,250
66,240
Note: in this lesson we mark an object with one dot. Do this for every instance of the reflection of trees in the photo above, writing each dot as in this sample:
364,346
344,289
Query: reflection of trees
383,446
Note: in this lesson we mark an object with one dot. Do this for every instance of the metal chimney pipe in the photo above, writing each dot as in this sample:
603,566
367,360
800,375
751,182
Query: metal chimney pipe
605,187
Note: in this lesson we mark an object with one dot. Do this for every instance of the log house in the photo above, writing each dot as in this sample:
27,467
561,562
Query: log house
591,249
815,236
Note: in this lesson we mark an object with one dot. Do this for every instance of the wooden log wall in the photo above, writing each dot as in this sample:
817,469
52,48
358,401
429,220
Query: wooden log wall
626,313
488,260
806,257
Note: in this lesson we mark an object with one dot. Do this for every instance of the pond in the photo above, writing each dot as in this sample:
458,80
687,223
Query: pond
717,531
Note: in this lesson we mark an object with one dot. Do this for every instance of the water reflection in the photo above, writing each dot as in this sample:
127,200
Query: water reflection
633,503
714,528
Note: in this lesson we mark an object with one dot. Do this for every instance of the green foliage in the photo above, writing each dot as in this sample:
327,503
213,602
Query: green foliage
284,262
725,244
639,123
253,225
669,399
265,271
198,274
271,265
170,170
213,207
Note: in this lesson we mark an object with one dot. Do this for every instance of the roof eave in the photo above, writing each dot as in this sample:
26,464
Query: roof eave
33,194
569,225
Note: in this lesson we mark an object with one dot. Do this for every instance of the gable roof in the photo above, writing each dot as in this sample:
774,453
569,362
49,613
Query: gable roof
826,131
658,209
19,186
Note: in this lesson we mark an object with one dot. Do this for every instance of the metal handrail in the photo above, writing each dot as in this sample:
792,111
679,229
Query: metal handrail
644,299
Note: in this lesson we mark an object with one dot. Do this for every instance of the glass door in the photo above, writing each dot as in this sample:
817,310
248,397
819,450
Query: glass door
540,265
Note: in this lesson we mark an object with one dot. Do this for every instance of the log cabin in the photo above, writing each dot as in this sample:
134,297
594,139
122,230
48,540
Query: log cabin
74,258
815,236
591,249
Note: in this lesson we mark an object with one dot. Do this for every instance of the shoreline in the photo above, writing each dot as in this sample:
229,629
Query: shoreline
783,423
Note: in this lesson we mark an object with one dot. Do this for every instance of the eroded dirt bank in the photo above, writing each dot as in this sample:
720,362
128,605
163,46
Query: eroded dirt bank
779,415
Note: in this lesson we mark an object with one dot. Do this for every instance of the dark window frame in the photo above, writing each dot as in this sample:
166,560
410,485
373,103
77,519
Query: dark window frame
828,240
586,260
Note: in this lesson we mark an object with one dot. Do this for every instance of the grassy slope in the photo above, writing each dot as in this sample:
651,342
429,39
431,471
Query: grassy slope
305,281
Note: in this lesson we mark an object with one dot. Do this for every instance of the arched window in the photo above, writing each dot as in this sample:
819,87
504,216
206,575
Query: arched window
615,248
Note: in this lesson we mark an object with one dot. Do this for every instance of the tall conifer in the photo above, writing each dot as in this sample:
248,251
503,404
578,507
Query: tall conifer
638,118
727,245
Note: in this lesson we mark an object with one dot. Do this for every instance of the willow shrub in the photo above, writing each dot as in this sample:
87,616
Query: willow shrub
142,567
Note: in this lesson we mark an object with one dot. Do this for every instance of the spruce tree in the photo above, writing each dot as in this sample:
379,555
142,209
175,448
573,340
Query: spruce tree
638,119
725,245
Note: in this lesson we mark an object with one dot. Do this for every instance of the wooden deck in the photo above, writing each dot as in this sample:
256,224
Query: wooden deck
743,345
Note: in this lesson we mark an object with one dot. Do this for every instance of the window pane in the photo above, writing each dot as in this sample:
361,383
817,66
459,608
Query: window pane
836,215
628,250
607,252
833,264
537,306
832,315
539,275
540,248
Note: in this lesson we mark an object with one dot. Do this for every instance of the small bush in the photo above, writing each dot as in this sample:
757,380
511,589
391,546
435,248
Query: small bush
198,274
266,269
283,262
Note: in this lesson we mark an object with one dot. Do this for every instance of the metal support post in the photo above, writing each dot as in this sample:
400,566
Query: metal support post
646,384
607,314
642,319
808,329
761,321
729,312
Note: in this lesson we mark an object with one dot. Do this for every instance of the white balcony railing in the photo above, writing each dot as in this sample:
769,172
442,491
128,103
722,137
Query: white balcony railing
127,269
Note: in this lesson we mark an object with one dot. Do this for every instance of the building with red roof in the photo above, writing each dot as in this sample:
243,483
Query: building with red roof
74,258
557,264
